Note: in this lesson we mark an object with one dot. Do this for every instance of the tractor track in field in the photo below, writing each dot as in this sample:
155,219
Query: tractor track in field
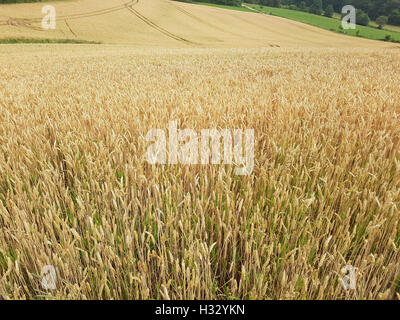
201,20
69,27
209,24
157,27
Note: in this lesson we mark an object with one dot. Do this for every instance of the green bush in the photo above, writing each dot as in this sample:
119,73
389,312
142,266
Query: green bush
362,18
388,37
381,21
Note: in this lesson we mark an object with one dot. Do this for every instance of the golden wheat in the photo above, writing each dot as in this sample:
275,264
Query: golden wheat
77,193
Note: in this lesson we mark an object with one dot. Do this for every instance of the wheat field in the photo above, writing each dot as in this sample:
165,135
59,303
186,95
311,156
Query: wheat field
77,193
165,23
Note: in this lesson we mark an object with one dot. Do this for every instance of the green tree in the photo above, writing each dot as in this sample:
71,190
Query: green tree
364,5
381,21
271,3
276,3
329,11
391,5
303,6
316,7
362,18
394,18
377,9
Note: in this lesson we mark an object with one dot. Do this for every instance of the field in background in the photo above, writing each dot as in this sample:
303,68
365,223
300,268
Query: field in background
332,24
77,193
162,23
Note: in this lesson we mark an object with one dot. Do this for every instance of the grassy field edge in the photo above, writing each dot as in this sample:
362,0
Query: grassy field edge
45,41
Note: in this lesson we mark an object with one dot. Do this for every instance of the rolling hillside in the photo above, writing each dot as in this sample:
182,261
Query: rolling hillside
166,23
